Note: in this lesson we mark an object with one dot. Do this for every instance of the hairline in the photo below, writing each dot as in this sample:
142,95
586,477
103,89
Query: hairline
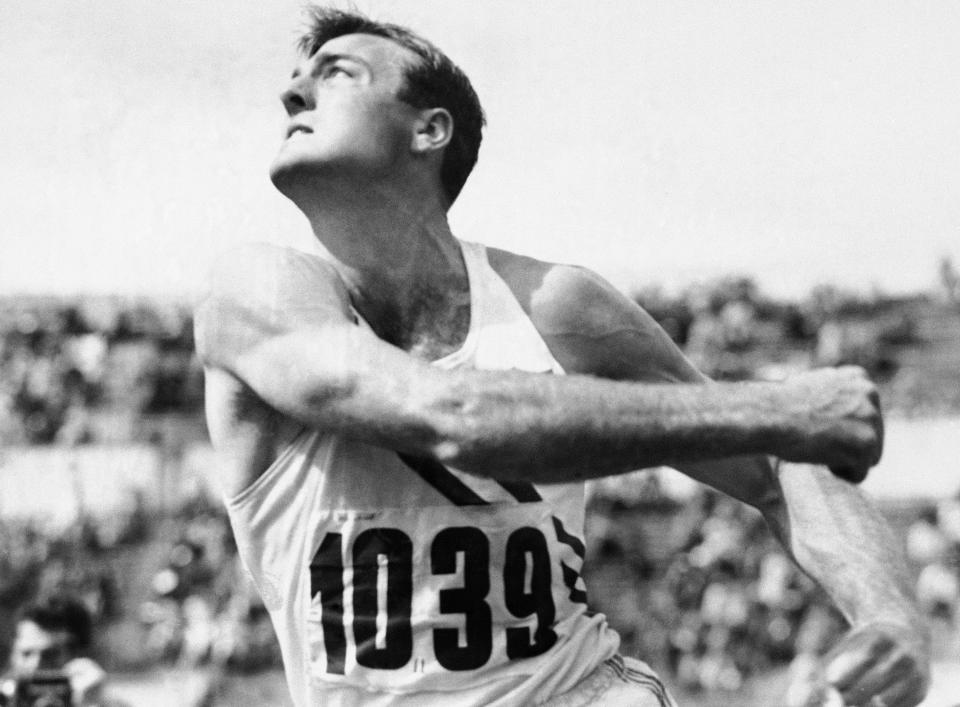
406,66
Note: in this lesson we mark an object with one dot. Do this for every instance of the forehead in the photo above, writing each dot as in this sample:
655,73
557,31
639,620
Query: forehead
380,53
31,636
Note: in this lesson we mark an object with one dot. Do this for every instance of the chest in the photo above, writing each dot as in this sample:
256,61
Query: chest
433,326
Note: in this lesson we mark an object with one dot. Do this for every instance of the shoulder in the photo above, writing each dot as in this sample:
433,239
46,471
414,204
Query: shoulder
588,324
566,298
267,288
255,271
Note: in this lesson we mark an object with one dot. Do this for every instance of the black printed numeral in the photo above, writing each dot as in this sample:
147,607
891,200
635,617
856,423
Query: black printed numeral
528,557
396,549
469,600
326,579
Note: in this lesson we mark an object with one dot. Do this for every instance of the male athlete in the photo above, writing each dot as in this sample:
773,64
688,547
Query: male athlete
406,424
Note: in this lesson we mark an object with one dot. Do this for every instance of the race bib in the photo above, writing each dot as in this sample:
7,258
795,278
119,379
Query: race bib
402,598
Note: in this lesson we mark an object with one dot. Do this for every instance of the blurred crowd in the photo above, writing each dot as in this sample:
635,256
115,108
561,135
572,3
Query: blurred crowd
701,591
733,332
88,372
907,344
201,608
933,546
160,590
79,561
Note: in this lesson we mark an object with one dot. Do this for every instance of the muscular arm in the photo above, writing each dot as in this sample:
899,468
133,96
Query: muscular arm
828,526
280,323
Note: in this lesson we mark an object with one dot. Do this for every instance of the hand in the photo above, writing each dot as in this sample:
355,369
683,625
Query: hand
880,665
836,420
86,679
806,685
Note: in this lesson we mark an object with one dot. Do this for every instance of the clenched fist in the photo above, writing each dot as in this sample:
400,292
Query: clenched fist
833,419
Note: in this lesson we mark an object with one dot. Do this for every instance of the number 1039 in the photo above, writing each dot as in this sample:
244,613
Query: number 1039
527,591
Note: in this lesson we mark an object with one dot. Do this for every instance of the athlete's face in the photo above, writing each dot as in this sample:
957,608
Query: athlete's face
345,117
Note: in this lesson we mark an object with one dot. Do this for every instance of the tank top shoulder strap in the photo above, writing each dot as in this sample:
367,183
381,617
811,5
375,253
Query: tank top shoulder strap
492,300
501,331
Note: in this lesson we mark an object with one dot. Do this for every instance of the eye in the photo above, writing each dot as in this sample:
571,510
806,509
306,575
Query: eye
335,70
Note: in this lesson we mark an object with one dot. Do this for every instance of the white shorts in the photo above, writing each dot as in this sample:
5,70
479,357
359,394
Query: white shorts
617,682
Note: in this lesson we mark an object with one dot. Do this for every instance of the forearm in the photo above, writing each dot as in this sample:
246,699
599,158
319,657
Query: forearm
517,425
547,428
838,537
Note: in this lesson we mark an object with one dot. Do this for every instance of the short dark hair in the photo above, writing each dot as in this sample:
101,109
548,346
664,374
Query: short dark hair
61,614
434,82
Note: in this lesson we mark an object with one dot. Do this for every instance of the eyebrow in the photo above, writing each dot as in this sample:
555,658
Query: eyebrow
326,59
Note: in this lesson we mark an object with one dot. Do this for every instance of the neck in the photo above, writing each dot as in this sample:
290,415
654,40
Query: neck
400,262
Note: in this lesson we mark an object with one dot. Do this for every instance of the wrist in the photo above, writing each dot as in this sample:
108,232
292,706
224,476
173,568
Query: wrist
790,425
773,418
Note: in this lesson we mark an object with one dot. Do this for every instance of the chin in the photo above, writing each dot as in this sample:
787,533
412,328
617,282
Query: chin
281,174
300,180
288,170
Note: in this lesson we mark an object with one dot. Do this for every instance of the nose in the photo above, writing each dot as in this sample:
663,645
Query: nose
298,95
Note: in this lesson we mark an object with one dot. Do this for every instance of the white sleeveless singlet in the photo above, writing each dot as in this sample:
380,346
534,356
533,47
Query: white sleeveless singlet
394,580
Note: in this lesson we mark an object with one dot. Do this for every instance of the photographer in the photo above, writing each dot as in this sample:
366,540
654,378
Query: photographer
47,665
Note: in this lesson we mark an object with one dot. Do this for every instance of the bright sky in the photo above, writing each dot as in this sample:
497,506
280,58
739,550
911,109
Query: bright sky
655,142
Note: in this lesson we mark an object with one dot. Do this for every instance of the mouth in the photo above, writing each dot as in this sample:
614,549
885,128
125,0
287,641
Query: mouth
294,129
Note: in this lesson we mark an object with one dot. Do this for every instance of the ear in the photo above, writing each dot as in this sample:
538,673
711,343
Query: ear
433,131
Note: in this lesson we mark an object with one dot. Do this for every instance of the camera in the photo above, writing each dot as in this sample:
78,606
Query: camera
42,689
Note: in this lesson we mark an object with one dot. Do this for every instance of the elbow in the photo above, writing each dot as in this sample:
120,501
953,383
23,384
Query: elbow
450,452
486,452
477,458
460,431
456,440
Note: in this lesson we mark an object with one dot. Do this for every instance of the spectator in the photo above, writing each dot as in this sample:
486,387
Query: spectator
926,542
53,636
